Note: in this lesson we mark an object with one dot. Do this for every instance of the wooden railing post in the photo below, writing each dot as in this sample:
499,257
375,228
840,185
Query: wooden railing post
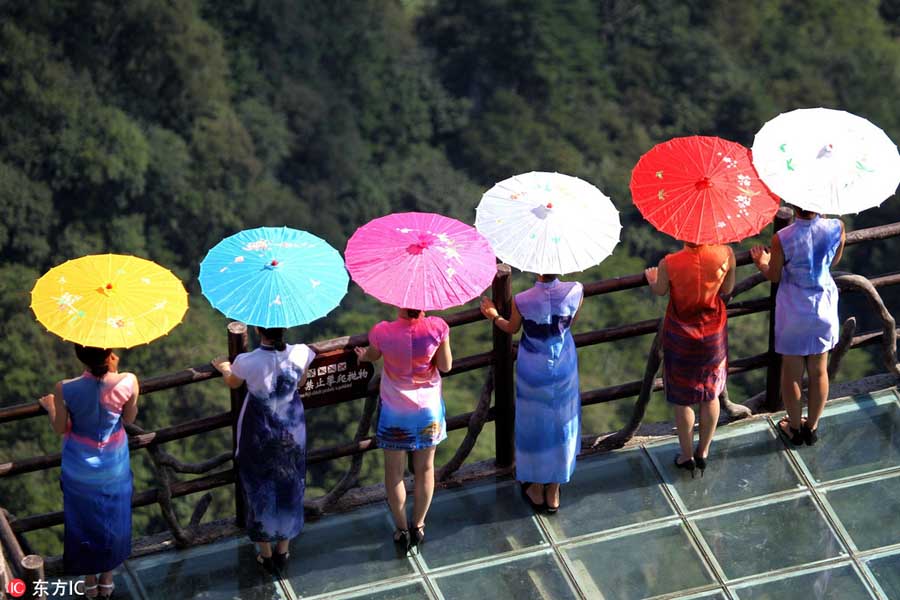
773,371
32,573
504,390
237,344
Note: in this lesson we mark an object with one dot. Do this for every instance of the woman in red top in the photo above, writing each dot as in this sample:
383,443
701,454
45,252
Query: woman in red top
694,340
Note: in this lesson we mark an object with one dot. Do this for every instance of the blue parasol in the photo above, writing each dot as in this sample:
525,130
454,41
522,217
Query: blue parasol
273,277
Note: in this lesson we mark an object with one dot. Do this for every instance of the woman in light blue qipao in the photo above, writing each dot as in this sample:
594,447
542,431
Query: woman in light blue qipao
548,402
806,313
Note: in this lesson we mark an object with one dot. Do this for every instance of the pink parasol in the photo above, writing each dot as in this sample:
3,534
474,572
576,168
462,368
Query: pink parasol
420,260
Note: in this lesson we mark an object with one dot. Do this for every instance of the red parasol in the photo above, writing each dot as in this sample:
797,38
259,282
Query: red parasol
702,190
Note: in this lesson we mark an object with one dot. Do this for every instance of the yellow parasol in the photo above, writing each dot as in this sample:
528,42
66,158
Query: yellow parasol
109,301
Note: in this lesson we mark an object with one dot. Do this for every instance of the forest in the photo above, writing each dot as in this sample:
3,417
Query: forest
158,127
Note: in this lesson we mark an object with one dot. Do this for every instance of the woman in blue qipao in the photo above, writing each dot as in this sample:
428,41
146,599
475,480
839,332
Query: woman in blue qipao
548,402
806,314
271,445
91,411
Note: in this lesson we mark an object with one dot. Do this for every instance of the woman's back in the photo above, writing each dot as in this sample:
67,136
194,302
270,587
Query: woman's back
547,312
695,276
96,439
809,247
273,374
408,347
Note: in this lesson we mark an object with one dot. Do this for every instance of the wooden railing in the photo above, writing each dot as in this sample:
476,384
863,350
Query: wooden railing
498,386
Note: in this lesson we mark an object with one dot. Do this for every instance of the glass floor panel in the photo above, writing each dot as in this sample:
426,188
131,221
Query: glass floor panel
409,591
611,491
227,570
886,571
766,521
478,522
742,464
856,437
354,550
841,583
769,537
643,564
866,509
530,578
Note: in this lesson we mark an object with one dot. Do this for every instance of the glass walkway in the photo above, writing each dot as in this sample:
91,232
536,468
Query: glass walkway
766,522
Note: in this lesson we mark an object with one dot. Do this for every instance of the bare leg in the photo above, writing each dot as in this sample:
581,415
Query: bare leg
552,490
684,423
394,466
282,546
265,549
90,581
709,418
817,367
423,465
791,376
106,586
535,491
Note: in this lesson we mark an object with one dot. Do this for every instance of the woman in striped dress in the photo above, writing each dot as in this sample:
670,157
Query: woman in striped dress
694,340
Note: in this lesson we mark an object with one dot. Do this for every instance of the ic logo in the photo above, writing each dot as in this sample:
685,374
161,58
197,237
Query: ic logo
15,588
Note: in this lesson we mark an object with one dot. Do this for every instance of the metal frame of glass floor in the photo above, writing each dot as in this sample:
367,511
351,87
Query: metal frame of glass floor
766,521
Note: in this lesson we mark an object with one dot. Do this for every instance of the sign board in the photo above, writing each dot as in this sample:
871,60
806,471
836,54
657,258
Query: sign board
335,377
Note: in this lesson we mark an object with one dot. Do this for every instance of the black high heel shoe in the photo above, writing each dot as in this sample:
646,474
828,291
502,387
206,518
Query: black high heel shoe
279,561
551,510
537,507
810,436
416,537
700,462
688,465
402,540
792,435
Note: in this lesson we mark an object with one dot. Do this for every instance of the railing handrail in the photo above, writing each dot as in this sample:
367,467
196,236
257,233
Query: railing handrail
502,411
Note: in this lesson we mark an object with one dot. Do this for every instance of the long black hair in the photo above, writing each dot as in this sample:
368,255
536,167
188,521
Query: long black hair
274,335
94,359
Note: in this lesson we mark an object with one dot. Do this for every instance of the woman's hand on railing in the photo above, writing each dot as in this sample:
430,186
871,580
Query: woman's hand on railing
222,365
363,354
652,275
47,403
761,257
488,309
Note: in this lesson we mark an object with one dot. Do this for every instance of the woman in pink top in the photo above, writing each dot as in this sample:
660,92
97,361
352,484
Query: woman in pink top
416,349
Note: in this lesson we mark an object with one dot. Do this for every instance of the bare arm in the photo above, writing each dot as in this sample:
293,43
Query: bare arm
840,250
658,278
578,311
731,276
223,366
55,406
511,325
443,358
129,411
368,354
769,263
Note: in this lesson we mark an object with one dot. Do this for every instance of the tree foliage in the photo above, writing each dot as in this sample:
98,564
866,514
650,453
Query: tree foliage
158,127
